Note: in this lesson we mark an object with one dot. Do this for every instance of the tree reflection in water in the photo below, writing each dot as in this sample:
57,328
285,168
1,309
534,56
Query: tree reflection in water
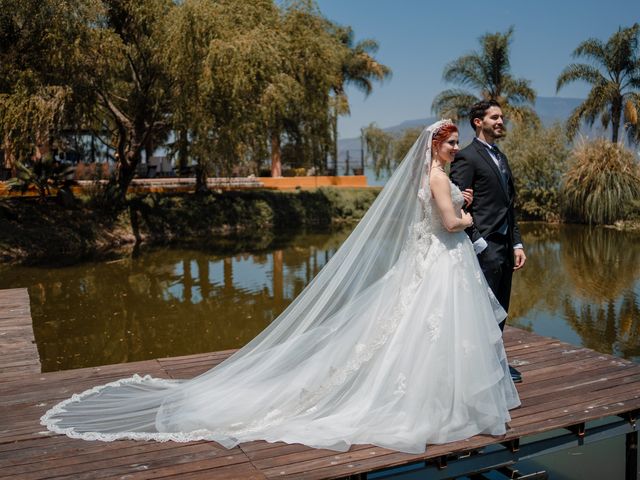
580,284
164,302
586,278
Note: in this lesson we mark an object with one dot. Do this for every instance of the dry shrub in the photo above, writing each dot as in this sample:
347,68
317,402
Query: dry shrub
602,183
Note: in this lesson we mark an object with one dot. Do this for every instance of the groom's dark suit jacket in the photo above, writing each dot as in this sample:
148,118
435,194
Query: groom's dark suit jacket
493,201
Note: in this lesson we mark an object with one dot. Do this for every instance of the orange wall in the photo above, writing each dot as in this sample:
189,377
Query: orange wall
180,185
283,183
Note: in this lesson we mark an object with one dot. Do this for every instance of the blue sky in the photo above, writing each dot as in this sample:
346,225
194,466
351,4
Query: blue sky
419,37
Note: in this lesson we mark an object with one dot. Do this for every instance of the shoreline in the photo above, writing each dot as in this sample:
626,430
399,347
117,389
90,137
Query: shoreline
47,234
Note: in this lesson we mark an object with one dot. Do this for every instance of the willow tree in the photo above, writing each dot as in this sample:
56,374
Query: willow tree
42,47
614,76
188,36
130,80
299,98
386,149
192,28
222,57
488,74
248,77
93,64
240,66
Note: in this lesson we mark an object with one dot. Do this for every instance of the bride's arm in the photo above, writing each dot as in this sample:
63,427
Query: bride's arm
441,191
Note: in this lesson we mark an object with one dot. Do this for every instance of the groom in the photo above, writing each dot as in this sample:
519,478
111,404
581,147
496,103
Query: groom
482,167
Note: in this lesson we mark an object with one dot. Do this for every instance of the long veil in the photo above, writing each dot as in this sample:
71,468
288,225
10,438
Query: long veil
325,335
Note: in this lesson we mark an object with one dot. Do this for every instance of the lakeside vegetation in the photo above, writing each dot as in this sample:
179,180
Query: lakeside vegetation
60,235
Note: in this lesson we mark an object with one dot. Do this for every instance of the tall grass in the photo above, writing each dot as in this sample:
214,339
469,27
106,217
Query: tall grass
602,183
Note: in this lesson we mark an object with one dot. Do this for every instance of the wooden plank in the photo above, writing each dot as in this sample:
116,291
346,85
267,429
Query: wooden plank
197,356
18,351
244,471
128,457
345,460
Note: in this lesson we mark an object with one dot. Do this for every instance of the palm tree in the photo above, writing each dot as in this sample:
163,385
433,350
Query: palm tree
360,69
488,73
614,74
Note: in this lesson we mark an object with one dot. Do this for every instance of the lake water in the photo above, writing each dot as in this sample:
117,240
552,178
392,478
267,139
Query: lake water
580,285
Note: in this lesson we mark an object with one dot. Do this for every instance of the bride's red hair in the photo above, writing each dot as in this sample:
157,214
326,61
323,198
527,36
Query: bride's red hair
442,134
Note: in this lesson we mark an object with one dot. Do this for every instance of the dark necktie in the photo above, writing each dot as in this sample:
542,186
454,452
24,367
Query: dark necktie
502,164
504,174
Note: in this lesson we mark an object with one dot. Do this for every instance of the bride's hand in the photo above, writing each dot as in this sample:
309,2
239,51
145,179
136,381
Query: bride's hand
467,194
467,219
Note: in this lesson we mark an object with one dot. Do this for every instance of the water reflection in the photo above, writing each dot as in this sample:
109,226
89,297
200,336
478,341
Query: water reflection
580,285
165,302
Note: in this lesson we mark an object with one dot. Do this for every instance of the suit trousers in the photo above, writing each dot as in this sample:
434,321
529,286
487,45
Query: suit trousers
496,262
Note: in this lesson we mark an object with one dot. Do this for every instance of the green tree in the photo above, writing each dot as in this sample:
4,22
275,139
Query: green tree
189,33
314,59
403,142
43,56
359,68
297,100
537,156
84,64
387,150
222,57
233,81
614,76
379,147
130,84
488,73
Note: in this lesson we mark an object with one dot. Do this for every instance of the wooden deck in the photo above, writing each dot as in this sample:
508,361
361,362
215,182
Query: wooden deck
563,386
18,351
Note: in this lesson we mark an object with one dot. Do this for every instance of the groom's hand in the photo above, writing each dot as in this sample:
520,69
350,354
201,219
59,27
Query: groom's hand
519,258
467,194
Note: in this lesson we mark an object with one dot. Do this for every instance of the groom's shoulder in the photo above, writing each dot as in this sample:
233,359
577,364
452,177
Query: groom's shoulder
467,151
470,147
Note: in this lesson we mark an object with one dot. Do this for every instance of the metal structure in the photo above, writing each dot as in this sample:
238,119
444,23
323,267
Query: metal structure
501,459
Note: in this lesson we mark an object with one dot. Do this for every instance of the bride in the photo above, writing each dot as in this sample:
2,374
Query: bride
394,343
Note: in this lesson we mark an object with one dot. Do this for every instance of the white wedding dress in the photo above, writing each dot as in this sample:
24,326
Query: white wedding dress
412,356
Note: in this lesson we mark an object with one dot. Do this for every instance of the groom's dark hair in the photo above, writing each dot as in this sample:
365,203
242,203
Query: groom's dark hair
479,109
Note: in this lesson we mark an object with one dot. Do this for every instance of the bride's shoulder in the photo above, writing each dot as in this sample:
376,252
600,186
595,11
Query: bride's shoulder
439,181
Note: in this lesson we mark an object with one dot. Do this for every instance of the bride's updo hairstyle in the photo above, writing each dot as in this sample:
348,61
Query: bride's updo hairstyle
442,134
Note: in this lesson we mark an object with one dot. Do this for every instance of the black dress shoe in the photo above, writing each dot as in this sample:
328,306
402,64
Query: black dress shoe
516,376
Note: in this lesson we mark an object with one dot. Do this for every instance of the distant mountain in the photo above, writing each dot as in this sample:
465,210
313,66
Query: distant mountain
553,109
549,109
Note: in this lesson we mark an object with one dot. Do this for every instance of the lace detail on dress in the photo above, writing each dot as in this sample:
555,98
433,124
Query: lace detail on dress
433,325
401,385
51,423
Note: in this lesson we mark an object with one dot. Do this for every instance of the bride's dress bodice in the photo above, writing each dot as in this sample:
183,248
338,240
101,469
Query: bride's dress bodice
431,226
432,211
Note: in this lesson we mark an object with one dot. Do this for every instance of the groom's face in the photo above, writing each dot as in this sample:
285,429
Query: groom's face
492,124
